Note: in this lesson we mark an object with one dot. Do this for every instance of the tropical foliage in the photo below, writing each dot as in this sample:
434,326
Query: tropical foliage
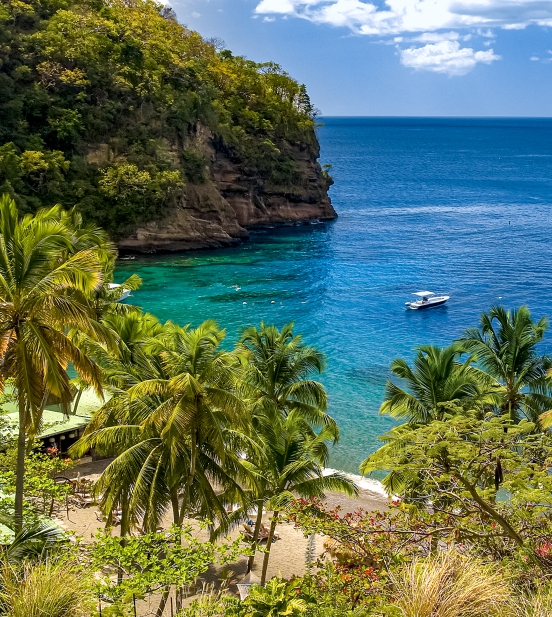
506,347
43,495
172,427
105,105
50,589
460,463
33,541
198,429
438,376
186,416
290,421
153,563
49,266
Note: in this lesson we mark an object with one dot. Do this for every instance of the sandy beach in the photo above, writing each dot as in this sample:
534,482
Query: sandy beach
288,553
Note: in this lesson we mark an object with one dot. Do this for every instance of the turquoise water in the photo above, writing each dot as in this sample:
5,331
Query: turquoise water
456,206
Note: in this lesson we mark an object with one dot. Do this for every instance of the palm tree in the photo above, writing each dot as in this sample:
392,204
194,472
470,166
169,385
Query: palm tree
505,345
44,282
277,374
276,381
294,467
172,431
437,376
31,542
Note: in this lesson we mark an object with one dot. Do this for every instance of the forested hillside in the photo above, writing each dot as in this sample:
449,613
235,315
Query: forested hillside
115,107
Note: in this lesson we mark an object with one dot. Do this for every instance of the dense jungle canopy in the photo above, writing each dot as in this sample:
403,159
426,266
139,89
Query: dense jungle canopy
102,103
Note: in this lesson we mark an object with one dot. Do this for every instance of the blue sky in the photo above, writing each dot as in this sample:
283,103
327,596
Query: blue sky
396,57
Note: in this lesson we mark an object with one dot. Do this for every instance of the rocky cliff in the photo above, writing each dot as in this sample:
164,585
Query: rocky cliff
155,134
220,211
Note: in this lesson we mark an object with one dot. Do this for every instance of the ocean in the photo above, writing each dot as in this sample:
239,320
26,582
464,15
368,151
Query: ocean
459,206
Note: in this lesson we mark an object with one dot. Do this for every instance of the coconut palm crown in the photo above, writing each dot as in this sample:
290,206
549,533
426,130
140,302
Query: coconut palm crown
437,376
172,432
505,344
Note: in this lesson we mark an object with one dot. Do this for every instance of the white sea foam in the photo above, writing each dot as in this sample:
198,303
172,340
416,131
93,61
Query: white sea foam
365,484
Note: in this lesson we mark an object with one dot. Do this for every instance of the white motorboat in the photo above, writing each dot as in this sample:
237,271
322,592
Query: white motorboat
124,295
427,299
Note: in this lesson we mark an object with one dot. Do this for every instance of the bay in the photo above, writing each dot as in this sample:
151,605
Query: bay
461,206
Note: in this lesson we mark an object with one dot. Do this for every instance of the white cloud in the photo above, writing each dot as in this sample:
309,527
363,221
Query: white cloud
269,19
196,14
398,16
534,58
418,22
445,57
436,37
276,6
489,34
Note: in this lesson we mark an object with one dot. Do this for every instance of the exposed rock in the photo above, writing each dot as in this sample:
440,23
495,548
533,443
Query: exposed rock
202,219
220,211
257,204
98,155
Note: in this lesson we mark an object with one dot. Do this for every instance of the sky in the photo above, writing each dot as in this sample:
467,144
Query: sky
395,57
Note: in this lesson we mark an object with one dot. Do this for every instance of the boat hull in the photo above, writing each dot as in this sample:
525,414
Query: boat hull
420,307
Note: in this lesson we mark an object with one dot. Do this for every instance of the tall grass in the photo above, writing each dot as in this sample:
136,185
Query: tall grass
451,585
45,590
538,605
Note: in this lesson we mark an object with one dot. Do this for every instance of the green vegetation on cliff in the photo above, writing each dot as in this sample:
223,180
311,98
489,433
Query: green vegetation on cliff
101,102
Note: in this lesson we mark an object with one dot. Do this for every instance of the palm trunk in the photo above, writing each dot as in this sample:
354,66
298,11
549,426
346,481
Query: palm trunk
175,508
179,597
125,525
20,467
269,545
162,602
188,492
125,528
258,522
77,401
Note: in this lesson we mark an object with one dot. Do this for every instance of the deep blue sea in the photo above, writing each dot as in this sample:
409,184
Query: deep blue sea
461,206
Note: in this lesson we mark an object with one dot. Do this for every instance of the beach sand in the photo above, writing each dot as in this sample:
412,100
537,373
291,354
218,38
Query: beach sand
287,556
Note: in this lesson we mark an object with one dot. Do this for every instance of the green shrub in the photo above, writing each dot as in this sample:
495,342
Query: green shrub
46,589
194,164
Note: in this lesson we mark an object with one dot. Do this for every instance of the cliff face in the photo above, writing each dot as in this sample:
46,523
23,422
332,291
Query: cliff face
110,118
219,211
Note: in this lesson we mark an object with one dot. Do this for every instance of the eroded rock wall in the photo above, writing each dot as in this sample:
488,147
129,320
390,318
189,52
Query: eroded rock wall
219,211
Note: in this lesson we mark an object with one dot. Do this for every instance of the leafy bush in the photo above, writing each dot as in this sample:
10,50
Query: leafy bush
155,562
273,600
43,495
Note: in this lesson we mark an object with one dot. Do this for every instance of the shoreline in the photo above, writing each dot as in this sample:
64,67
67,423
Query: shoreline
366,485
289,554
191,246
